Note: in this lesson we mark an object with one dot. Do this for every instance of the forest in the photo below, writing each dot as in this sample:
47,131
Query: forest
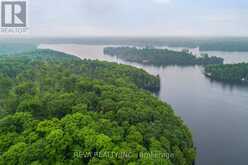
228,73
160,57
58,109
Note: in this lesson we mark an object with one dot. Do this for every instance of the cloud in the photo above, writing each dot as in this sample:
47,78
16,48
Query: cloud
137,17
163,1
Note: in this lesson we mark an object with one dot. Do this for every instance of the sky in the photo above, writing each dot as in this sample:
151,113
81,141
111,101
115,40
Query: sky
138,18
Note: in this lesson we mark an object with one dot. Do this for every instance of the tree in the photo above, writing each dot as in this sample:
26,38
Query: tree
69,110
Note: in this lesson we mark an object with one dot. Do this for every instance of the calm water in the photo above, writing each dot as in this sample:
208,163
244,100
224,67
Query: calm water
216,113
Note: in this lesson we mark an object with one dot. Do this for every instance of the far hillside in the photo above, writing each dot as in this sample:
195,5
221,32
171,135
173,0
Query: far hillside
12,48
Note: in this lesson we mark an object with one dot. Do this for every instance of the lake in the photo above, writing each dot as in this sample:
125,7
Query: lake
217,113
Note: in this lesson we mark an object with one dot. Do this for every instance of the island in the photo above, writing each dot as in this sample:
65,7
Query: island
160,57
234,73
58,109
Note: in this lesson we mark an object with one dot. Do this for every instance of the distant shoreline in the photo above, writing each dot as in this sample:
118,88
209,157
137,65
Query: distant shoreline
226,44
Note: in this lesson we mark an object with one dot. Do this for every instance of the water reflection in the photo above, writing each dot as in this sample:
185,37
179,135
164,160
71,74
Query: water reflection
229,85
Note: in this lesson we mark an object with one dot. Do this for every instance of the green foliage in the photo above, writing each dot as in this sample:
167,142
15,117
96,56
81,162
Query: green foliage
228,72
160,56
5,85
59,109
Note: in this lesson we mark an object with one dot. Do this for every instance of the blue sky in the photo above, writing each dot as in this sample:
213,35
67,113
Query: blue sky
139,18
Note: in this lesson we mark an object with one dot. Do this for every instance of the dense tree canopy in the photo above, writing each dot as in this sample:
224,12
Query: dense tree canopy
58,109
160,56
228,72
